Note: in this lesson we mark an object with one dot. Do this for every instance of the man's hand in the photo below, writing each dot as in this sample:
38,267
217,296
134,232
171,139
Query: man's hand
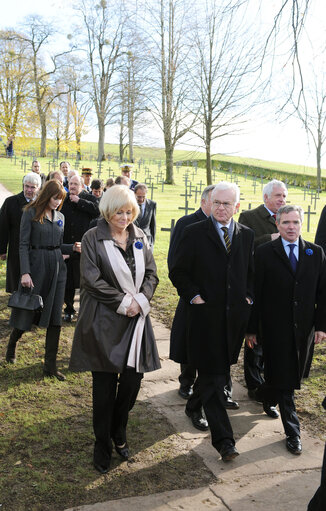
74,198
274,236
77,247
319,336
251,340
3,257
198,300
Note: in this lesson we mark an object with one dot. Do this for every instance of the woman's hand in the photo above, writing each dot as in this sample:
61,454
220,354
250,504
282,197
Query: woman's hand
26,280
133,309
77,247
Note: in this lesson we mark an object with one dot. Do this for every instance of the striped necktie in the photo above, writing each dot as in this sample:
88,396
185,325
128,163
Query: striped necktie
226,239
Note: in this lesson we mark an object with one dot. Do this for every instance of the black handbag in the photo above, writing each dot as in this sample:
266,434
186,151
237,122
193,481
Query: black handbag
24,298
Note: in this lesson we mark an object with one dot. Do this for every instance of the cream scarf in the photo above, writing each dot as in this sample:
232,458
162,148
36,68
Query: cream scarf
124,277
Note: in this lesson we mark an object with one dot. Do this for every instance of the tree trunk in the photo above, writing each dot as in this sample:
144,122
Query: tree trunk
319,184
131,143
58,147
169,164
208,163
121,147
43,136
101,138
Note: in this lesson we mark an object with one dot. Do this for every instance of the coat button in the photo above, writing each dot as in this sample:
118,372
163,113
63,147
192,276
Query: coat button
295,325
295,303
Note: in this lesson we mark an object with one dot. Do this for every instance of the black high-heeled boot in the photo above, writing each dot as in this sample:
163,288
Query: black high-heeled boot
51,350
11,348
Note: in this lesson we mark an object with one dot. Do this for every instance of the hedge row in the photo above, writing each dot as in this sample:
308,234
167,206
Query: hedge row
290,178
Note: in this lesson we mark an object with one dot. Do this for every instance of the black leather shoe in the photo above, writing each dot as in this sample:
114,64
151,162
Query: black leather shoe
56,374
228,451
68,317
270,411
103,469
293,444
123,451
185,391
197,419
230,404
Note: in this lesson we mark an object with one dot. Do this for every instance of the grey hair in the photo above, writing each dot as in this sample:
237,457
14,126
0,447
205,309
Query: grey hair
284,210
269,187
226,185
206,192
72,172
32,178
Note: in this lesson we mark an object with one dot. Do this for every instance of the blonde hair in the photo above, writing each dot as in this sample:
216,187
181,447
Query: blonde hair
115,198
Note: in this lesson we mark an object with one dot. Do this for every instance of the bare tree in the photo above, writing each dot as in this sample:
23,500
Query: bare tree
223,70
78,101
15,85
312,114
170,89
132,98
37,34
104,22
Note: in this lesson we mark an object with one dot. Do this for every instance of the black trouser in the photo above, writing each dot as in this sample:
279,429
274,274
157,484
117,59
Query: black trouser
69,301
209,391
253,366
188,374
291,424
113,397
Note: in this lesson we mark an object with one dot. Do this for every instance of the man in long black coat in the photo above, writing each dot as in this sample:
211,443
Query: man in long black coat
79,208
10,217
213,273
262,221
178,351
289,313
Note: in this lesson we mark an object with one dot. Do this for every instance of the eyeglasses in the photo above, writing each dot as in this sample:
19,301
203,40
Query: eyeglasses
226,205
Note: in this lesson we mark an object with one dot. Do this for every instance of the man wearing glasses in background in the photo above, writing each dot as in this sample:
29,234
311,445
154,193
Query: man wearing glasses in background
213,272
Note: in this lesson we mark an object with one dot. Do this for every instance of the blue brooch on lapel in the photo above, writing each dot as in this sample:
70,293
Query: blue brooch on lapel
139,245
60,222
309,251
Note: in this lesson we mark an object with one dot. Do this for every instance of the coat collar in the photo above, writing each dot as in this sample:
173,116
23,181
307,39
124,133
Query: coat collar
265,214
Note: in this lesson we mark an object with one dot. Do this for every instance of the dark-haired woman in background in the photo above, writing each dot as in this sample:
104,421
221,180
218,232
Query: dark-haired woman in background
42,268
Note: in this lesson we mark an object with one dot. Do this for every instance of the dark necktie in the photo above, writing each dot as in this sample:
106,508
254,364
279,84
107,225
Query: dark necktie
293,259
274,216
141,211
226,239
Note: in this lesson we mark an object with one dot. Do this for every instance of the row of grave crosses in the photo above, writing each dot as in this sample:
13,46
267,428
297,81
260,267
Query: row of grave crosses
191,190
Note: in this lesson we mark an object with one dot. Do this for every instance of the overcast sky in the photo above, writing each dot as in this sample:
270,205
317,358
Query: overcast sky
264,136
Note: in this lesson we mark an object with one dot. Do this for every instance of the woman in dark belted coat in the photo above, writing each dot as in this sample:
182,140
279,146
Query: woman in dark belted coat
114,338
42,268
